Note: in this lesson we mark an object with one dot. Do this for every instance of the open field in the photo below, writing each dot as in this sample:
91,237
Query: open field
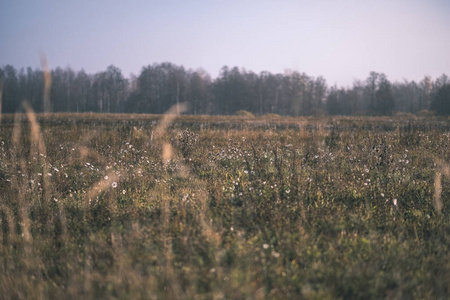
151,207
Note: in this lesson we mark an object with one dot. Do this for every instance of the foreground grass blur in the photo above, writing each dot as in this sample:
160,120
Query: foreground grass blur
118,206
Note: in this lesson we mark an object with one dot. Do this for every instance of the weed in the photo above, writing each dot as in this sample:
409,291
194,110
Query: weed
125,206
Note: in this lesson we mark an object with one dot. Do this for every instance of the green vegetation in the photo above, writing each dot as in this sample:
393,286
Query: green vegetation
244,113
139,207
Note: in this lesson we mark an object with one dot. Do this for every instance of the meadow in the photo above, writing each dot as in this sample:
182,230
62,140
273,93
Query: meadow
98,206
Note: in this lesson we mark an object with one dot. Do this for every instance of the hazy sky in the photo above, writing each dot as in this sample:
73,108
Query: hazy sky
340,40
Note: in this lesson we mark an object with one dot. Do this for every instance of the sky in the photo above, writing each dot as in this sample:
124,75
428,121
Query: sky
341,40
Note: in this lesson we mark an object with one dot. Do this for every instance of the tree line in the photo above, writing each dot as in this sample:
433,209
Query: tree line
159,86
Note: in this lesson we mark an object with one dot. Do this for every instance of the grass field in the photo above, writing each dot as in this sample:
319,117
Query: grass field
158,207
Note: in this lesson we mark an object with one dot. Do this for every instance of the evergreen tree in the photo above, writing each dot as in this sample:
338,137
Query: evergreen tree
441,102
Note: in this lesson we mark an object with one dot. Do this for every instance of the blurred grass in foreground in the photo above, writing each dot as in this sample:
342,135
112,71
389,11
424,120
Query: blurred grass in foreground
120,206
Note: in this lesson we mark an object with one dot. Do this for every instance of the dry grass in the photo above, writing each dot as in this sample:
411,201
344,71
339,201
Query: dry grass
183,207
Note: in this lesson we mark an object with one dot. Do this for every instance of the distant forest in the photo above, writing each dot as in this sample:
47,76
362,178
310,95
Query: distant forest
159,86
